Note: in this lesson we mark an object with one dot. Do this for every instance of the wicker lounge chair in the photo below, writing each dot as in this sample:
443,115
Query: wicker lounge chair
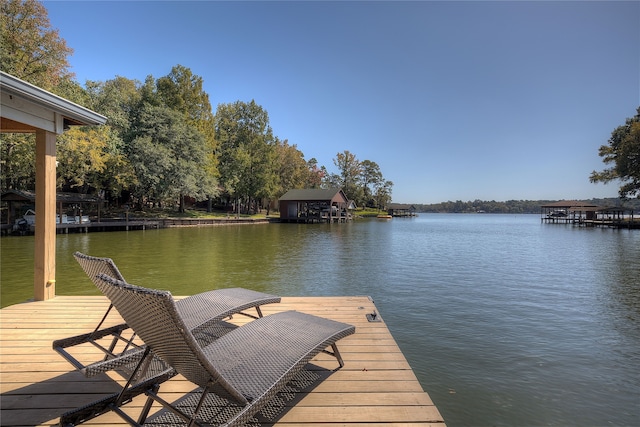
203,314
247,366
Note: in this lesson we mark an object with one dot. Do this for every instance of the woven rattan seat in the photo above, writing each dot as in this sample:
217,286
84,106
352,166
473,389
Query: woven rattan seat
246,366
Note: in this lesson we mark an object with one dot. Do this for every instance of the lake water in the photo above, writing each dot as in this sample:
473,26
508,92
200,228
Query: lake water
506,321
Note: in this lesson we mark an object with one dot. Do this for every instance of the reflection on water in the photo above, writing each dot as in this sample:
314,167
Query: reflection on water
505,321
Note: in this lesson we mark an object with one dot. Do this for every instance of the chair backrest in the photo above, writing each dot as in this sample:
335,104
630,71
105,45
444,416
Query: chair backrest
93,266
154,316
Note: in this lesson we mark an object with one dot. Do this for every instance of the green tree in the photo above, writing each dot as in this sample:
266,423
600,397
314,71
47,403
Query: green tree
623,151
88,162
17,167
315,174
371,179
31,49
71,90
382,194
350,173
332,180
246,152
183,91
102,165
292,169
169,158
117,99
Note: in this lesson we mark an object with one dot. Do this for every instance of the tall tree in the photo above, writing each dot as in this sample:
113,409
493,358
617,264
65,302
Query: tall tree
292,169
246,151
371,177
118,99
623,151
169,157
382,194
183,91
350,174
315,174
31,49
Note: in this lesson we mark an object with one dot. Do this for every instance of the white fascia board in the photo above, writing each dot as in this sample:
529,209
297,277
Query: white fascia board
10,85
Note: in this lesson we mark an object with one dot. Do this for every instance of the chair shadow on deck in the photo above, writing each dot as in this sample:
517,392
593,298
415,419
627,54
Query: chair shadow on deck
43,403
216,409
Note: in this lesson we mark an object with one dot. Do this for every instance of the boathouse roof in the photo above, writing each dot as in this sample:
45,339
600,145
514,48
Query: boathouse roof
29,196
568,204
600,209
313,194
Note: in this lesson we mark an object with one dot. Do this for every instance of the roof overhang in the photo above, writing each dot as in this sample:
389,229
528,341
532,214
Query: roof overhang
27,108
587,209
569,204
314,195
29,196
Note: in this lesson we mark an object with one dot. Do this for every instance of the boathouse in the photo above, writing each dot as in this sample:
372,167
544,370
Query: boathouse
566,211
29,109
314,205
19,202
587,214
401,210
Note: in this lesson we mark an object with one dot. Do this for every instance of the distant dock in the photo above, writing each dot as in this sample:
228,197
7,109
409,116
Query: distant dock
587,215
136,224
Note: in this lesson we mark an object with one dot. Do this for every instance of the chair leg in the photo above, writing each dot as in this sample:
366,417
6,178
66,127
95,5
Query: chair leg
335,354
141,363
191,420
103,319
147,406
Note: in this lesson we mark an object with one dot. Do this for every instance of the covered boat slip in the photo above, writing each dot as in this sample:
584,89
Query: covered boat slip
376,385
588,215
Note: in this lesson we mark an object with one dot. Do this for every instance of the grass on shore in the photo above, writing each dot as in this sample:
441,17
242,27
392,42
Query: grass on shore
203,214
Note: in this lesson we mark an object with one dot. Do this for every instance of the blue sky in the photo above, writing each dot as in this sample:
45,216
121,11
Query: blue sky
453,100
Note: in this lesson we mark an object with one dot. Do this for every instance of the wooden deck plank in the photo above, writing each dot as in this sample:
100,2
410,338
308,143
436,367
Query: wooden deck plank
375,387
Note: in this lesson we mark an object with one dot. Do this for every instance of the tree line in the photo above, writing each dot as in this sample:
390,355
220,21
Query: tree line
513,206
163,145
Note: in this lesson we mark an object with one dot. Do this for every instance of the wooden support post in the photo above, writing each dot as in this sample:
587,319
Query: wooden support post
45,232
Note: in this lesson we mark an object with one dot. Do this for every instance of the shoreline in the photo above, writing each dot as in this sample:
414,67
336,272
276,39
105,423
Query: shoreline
139,224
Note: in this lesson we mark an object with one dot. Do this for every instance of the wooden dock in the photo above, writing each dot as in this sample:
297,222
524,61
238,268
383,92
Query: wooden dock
375,387
137,224
629,223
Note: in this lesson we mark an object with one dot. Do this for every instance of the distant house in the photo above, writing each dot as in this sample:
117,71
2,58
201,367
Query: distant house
315,205
398,209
